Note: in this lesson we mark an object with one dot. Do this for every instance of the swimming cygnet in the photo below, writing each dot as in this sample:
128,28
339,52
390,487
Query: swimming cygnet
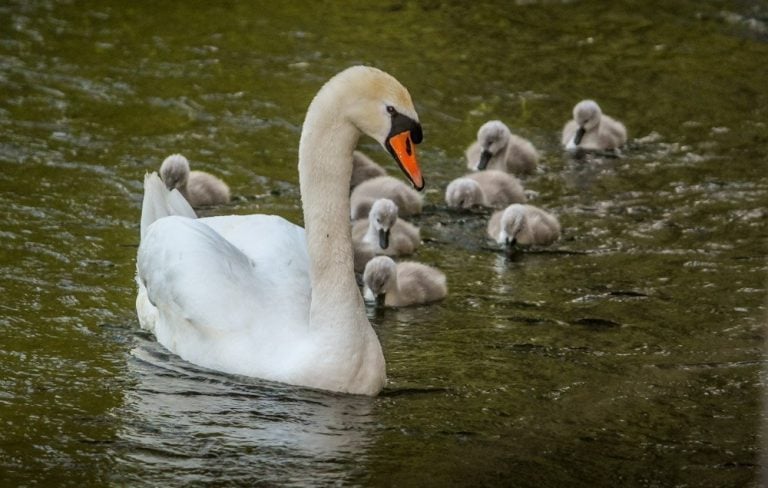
198,187
384,232
402,284
489,188
364,168
497,148
590,129
523,225
407,199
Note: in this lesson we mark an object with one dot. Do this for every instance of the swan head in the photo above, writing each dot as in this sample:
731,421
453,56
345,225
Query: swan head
463,193
379,106
512,222
587,115
175,171
379,277
493,137
381,218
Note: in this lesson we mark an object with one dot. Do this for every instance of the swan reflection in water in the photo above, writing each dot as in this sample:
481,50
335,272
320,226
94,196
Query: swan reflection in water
187,423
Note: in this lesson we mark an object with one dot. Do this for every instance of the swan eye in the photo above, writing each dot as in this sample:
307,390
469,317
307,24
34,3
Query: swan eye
391,110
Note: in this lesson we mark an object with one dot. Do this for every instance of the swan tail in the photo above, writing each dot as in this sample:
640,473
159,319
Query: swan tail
159,202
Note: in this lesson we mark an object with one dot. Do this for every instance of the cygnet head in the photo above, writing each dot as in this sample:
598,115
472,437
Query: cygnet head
175,171
587,115
512,222
379,106
493,137
463,193
380,276
381,218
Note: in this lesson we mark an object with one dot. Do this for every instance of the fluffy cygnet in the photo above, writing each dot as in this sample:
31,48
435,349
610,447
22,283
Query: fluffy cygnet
384,232
497,148
198,187
523,225
590,129
402,284
407,199
489,188
364,168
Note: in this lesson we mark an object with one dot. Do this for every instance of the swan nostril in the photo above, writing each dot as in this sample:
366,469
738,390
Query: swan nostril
408,148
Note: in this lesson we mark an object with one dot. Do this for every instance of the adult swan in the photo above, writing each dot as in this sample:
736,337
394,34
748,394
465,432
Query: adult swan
258,296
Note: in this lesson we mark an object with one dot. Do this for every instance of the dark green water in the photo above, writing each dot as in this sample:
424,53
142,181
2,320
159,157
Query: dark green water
630,354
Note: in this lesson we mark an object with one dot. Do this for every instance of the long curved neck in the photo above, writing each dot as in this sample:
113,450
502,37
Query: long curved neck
325,170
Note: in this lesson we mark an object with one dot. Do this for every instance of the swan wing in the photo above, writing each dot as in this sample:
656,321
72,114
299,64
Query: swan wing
227,293
158,202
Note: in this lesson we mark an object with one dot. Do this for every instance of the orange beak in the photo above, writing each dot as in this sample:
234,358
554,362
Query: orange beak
404,150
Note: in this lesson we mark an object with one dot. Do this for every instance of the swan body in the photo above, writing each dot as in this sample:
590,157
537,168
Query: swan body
259,296
497,148
364,168
198,187
384,233
408,200
402,284
592,130
524,225
489,188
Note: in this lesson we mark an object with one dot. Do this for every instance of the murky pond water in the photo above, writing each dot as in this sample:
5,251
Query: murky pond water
629,354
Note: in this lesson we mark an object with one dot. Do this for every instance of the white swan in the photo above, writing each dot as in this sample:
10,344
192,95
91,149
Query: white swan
591,129
402,284
198,187
523,225
408,201
489,188
497,148
384,232
364,168
258,296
